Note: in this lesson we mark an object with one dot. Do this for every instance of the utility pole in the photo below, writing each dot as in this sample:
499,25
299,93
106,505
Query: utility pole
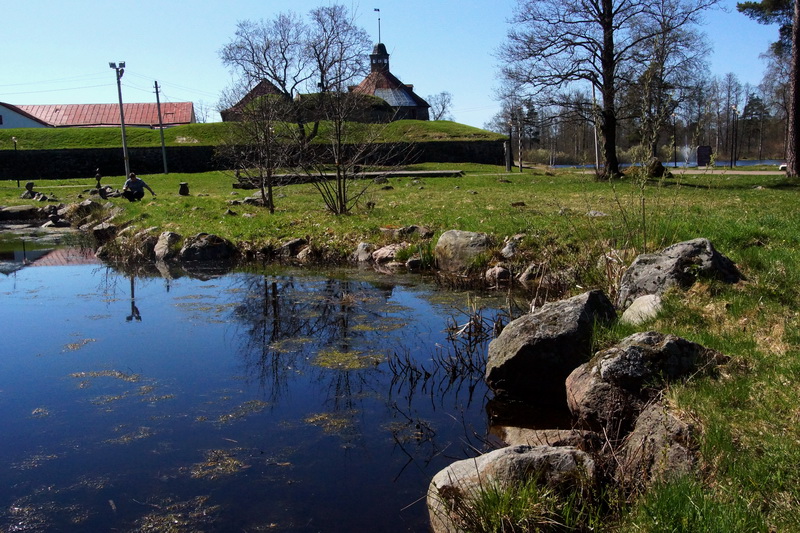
120,70
161,130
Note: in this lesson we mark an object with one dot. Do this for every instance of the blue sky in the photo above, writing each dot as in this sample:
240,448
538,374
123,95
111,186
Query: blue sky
58,52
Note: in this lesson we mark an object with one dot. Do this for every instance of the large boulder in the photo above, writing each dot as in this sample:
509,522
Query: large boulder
456,485
660,446
611,390
535,353
456,250
207,247
678,265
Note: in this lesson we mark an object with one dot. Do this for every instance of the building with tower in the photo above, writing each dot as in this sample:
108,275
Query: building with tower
382,83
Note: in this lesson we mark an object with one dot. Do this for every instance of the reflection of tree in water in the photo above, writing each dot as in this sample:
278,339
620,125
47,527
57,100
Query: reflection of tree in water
288,320
292,324
454,370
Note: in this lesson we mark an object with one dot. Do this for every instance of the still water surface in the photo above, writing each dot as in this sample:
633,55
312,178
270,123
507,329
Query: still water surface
248,402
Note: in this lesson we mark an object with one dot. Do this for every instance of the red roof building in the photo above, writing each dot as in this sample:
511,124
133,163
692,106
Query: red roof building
382,83
92,115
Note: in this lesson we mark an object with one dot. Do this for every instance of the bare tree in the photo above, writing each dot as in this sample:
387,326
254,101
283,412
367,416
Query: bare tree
258,142
553,44
310,64
441,105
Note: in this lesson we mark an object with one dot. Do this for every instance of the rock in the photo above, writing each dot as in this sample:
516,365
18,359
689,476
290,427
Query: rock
535,353
20,212
530,274
398,233
456,250
166,249
414,264
596,214
387,253
511,244
609,392
380,180
654,168
306,255
678,265
292,247
207,247
643,309
661,446
363,252
559,468
497,274
104,232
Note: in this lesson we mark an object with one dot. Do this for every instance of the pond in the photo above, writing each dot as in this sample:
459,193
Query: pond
272,400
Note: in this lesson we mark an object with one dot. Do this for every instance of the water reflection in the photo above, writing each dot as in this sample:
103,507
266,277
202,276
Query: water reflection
246,401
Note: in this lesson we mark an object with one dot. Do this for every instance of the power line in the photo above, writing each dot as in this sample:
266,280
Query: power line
55,90
57,80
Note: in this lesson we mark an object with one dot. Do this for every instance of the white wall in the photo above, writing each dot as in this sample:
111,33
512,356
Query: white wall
12,119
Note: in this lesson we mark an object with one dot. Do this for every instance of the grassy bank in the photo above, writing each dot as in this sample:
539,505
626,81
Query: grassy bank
212,134
750,417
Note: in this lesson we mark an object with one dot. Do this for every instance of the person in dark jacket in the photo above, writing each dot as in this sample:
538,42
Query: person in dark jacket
134,188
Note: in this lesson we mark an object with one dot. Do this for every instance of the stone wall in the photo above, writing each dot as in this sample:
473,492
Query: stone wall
82,162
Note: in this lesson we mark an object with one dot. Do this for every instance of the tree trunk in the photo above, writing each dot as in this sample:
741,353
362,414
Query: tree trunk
793,133
608,122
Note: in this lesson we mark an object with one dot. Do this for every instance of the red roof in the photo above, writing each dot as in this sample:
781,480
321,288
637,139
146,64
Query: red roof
59,115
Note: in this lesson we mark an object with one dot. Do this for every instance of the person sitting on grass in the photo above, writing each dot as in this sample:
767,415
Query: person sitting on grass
134,188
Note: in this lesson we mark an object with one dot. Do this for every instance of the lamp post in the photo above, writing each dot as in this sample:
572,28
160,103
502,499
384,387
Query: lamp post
120,70
14,140
674,142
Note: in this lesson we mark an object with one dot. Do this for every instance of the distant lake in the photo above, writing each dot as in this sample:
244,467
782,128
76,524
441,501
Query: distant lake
273,400
680,164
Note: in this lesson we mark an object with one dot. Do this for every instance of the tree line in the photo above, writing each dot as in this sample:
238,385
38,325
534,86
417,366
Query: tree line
611,81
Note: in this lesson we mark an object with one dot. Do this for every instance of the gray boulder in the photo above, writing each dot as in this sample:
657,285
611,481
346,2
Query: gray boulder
560,468
386,254
678,265
535,353
207,247
643,309
497,274
660,446
611,390
456,250
166,249
363,252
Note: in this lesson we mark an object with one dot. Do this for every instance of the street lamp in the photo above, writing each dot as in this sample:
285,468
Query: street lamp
733,137
120,70
674,142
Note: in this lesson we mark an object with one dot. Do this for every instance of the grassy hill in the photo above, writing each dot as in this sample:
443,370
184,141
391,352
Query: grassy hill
212,134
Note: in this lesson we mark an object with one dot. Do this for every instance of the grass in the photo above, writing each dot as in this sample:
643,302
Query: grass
749,478
212,134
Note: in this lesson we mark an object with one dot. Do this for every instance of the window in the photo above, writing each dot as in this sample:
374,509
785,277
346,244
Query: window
1,120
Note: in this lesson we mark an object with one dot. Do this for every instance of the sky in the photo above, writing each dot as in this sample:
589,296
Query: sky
56,52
